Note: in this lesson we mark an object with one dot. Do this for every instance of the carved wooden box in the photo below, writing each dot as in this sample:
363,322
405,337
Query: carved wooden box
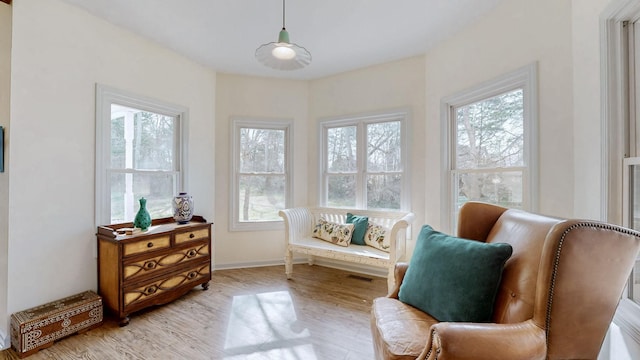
37,328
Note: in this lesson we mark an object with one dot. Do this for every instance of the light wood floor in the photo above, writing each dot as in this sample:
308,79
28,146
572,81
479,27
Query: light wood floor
256,313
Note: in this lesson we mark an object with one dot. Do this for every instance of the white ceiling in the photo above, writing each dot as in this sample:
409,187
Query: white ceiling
341,35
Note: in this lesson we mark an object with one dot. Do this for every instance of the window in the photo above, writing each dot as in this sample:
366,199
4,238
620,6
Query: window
364,162
139,153
631,159
489,144
261,184
620,100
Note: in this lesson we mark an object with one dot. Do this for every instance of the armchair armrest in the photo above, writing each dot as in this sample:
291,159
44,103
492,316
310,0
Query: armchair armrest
485,341
399,270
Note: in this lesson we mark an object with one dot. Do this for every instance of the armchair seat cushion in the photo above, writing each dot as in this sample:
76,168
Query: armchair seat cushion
402,330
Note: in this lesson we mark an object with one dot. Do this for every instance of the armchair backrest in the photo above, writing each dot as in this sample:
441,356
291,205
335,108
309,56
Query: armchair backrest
526,233
566,276
584,268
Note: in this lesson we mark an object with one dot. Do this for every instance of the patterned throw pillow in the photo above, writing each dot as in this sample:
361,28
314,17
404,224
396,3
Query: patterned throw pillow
376,236
339,234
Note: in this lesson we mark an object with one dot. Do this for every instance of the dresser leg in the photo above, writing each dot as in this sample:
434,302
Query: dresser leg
205,286
124,321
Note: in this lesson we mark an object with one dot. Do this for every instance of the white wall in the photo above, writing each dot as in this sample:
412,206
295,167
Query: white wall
514,34
587,117
5,88
394,85
59,53
260,98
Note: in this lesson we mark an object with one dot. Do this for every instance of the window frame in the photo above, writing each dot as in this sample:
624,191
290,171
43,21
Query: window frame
360,121
258,123
616,110
105,97
524,78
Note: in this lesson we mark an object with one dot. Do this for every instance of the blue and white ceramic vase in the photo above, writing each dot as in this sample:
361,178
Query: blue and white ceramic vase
182,208
142,219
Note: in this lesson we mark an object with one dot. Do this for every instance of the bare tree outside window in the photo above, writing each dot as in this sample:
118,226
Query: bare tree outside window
364,163
489,161
342,165
384,165
262,174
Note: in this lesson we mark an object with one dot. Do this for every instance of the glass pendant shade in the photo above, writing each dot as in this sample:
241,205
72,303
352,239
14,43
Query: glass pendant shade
283,55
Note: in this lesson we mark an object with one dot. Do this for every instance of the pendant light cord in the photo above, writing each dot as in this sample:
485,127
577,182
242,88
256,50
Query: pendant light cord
283,27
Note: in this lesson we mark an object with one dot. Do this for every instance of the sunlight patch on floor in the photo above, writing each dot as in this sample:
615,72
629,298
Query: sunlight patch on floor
265,326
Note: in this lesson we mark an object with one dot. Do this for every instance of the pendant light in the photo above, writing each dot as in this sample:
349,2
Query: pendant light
283,55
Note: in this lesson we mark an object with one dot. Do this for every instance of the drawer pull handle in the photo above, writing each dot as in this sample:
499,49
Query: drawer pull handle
150,245
191,253
150,265
192,275
192,235
151,290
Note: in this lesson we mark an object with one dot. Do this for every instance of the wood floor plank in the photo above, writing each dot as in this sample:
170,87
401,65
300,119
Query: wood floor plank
254,313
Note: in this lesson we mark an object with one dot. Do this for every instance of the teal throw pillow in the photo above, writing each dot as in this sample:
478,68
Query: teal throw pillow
454,279
360,228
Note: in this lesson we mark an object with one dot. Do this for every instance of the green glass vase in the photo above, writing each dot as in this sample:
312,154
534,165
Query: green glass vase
142,219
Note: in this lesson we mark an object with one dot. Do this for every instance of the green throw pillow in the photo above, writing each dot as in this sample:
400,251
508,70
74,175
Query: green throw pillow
360,228
454,279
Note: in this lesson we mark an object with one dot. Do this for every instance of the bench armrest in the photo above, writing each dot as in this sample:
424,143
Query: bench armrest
398,237
298,222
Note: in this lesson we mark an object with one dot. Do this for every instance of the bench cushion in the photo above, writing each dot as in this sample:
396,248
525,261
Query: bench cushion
351,250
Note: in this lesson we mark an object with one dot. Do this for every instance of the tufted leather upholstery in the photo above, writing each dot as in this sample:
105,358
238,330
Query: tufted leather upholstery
558,294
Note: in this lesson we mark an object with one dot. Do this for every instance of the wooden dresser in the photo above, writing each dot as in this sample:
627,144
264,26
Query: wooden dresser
154,267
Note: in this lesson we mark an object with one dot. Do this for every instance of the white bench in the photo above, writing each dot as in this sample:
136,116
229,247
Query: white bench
300,222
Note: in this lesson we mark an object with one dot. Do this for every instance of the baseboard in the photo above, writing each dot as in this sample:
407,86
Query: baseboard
336,264
243,265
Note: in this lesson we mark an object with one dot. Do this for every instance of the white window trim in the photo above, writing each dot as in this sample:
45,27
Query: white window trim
257,123
360,120
525,78
105,96
613,112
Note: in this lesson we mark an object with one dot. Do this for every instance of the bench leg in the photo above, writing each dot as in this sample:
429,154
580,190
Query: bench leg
288,263
311,260
391,280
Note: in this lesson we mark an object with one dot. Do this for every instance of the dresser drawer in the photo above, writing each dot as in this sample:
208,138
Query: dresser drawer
136,295
147,244
193,235
132,269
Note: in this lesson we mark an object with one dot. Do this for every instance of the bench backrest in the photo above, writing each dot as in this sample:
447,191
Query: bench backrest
385,219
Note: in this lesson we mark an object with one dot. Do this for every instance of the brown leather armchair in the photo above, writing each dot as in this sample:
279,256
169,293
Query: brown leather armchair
558,293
